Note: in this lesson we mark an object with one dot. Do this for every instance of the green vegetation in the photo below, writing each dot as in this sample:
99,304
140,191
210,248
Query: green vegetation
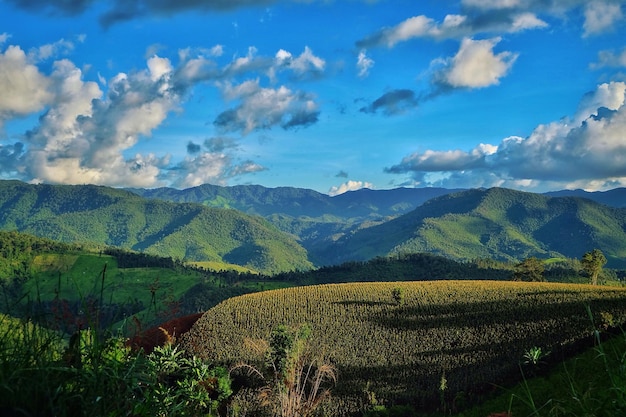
301,229
474,332
530,269
592,263
44,375
590,384
496,223
405,347
111,217
295,377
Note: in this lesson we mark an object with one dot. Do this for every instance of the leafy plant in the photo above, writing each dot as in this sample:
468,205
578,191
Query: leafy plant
534,356
295,386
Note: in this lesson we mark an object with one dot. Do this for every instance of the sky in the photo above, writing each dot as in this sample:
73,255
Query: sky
330,95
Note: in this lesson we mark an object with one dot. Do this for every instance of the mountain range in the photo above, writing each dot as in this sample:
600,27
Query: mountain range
280,229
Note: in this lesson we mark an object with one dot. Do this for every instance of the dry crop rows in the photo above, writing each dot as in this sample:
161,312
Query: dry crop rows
475,332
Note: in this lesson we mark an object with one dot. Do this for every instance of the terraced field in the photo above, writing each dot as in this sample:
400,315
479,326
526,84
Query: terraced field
475,333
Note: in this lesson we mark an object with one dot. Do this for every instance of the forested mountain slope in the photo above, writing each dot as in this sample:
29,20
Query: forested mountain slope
297,202
120,218
495,223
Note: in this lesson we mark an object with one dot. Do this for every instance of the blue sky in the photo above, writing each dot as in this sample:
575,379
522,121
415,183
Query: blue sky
332,95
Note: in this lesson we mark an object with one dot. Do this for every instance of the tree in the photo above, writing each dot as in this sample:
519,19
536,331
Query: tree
530,269
398,295
295,380
592,263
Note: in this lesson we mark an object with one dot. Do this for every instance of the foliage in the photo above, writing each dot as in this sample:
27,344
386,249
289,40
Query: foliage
474,331
592,383
592,263
534,355
398,295
297,377
41,374
530,269
495,223
113,217
182,385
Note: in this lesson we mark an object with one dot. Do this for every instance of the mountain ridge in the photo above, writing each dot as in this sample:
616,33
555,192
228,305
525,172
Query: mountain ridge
117,217
305,228
496,223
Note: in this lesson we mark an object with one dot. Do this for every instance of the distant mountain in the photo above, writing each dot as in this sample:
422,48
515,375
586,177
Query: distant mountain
120,218
283,229
496,223
297,202
316,219
613,198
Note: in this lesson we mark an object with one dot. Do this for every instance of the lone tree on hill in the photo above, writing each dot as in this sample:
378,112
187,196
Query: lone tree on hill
530,269
592,263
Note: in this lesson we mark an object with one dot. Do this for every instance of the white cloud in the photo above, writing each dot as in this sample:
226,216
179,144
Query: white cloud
475,65
601,15
217,50
306,65
363,64
4,37
85,135
210,168
610,59
525,21
454,26
307,61
263,108
51,50
587,151
349,186
24,88
492,4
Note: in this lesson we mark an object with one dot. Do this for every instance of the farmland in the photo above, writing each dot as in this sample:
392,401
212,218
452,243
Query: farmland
473,333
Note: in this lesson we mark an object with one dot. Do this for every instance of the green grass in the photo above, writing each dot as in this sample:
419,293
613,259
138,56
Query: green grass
590,384
78,277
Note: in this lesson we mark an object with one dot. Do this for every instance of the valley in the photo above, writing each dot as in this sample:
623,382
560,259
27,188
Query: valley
417,310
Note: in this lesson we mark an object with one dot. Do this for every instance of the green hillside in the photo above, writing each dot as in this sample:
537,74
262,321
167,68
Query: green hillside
497,223
475,333
108,216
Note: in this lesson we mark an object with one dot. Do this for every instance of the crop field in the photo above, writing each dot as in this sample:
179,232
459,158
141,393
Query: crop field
473,334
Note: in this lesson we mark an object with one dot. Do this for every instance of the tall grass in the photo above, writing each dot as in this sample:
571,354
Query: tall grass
92,372
592,384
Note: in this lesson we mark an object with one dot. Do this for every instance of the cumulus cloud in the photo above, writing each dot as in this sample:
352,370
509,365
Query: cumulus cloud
363,64
587,150
209,168
476,65
83,132
86,134
305,63
25,89
393,102
214,162
51,50
348,186
262,108
83,135
453,26
601,15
